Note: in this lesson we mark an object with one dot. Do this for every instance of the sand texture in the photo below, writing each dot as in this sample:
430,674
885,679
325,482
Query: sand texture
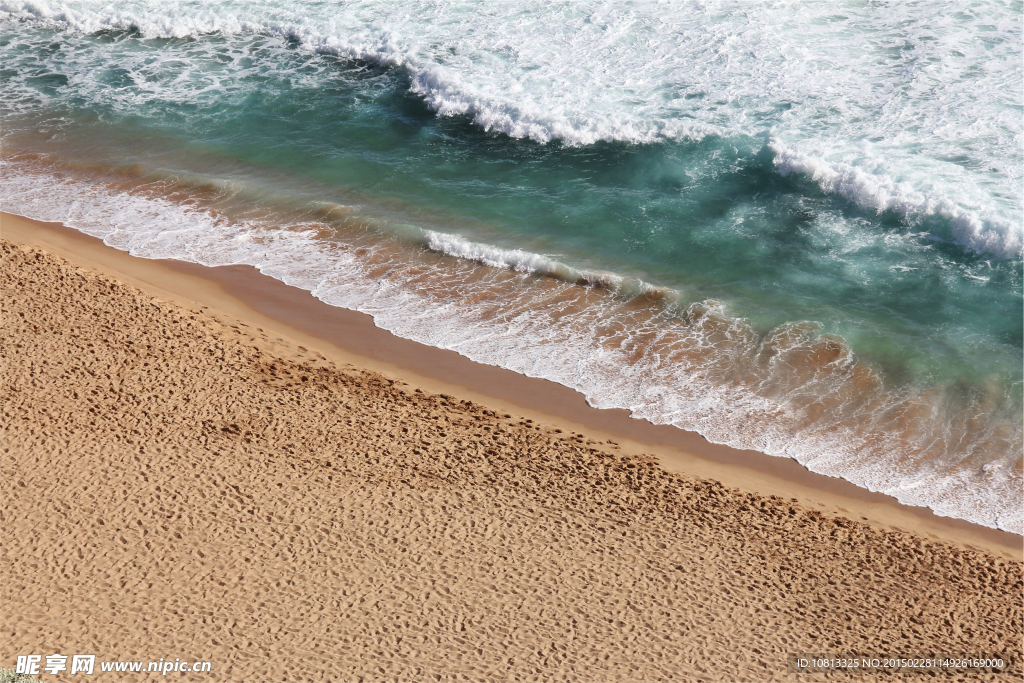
178,484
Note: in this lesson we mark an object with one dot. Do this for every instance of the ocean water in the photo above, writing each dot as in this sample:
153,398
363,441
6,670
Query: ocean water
790,226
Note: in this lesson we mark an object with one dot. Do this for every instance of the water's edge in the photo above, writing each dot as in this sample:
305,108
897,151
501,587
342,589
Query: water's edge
150,242
312,320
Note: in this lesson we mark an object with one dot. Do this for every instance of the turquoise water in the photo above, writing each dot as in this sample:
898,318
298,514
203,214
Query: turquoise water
816,257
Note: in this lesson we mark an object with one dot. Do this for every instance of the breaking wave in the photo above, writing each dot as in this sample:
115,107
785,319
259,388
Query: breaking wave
880,193
644,75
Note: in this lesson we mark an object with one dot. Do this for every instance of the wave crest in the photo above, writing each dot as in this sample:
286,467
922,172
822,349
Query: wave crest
881,193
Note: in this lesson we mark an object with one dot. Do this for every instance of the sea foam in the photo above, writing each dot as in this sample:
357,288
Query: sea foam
646,73
881,193
521,261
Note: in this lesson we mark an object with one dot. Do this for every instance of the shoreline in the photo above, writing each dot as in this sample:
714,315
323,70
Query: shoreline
350,337
190,477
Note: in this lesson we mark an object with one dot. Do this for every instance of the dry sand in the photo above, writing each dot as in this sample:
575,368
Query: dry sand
177,482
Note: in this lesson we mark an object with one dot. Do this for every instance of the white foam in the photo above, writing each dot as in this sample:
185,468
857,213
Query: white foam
514,259
518,260
930,128
880,193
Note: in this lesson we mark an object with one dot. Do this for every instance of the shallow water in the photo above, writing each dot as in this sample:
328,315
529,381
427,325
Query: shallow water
793,228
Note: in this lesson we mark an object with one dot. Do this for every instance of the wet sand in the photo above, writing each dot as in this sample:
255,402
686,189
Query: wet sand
205,463
351,337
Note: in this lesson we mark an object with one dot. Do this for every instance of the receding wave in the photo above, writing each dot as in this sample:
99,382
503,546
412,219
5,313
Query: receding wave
789,391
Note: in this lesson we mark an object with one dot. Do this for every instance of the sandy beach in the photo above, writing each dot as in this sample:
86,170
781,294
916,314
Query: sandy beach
206,464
